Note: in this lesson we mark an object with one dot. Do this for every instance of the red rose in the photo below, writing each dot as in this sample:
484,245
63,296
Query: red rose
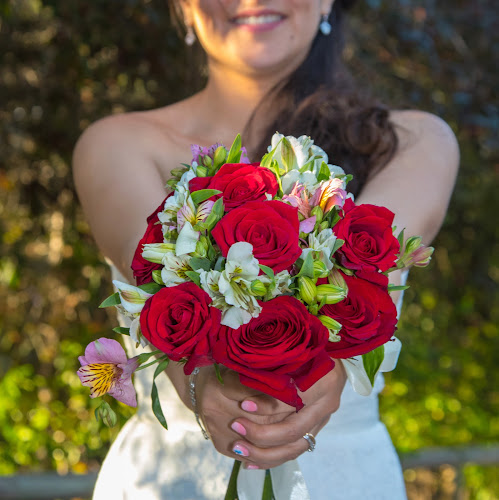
142,268
282,349
272,228
239,183
178,321
369,241
368,317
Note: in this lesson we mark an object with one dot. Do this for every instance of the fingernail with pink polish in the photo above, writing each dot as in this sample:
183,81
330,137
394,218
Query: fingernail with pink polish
249,406
252,467
240,450
239,428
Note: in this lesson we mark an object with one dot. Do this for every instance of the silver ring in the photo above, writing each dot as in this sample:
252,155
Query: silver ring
310,439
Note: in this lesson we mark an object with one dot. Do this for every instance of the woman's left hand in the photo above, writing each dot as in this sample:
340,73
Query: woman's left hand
270,443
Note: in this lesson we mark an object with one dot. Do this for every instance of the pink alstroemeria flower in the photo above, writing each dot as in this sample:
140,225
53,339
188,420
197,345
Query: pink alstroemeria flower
329,194
298,198
105,368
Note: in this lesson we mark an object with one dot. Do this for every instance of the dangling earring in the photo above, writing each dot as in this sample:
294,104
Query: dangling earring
325,27
190,36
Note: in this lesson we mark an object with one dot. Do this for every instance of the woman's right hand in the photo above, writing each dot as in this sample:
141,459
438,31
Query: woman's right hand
219,405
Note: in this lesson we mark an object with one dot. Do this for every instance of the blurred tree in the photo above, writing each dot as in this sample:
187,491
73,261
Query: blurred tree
65,64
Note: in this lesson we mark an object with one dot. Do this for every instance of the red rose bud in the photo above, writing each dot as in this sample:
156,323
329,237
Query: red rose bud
368,317
279,351
179,321
270,226
369,241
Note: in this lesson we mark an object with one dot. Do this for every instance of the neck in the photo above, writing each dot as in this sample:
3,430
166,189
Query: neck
232,97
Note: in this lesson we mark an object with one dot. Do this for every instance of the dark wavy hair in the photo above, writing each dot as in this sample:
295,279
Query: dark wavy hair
322,100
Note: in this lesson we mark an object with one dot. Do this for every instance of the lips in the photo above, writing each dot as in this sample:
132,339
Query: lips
257,18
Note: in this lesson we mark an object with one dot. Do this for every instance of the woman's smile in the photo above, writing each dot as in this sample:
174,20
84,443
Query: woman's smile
261,20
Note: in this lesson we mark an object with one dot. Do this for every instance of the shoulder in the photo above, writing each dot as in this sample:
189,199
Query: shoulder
426,140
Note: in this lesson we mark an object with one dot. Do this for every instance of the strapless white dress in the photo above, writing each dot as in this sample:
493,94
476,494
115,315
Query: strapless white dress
354,458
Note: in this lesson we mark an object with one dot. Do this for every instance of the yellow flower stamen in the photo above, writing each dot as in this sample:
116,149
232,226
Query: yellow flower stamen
100,377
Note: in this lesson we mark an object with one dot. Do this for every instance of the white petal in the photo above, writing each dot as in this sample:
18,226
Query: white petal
132,298
136,335
235,317
187,239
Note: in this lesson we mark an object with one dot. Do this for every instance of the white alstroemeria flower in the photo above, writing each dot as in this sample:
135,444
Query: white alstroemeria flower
175,268
189,213
136,334
187,240
172,205
322,243
132,298
230,289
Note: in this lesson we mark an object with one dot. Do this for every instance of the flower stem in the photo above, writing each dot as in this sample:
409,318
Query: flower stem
232,486
268,493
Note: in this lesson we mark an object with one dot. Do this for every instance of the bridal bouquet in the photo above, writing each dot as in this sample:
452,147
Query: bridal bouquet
267,268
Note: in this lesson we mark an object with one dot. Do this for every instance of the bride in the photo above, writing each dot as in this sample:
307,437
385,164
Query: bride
272,65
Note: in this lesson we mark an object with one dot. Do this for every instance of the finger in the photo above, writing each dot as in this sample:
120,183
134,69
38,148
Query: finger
280,433
264,405
271,457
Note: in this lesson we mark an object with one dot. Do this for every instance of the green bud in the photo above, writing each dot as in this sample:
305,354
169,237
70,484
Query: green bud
320,269
323,225
258,288
207,161
319,214
105,413
330,294
307,289
178,172
336,278
172,183
330,323
219,156
412,244
201,171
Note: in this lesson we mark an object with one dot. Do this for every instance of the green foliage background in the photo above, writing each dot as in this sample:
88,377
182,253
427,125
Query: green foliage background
65,64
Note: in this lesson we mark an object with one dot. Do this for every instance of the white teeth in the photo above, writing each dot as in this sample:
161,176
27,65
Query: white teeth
270,18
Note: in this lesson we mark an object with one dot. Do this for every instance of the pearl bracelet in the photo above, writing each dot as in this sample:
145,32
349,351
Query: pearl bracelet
192,394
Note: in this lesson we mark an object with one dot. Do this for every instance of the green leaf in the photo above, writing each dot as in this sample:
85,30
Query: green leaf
156,276
400,239
156,405
372,361
142,358
288,154
200,263
307,269
218,374
150,287
203,194
324,173
394,288
122,330
268,493
194,277
267,270
235,150
337,245
113,300
231,493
